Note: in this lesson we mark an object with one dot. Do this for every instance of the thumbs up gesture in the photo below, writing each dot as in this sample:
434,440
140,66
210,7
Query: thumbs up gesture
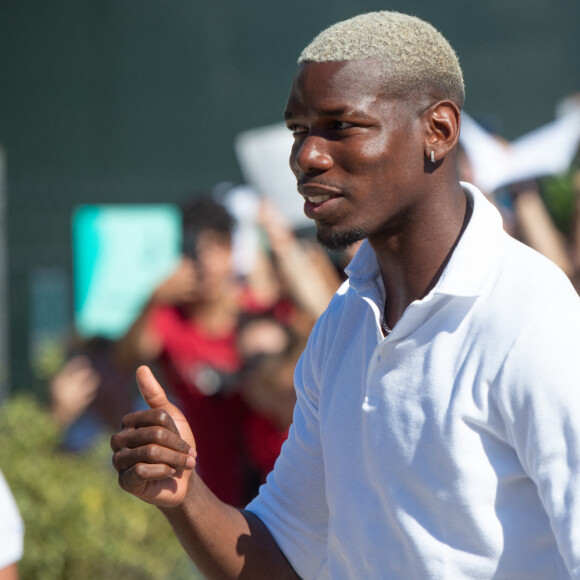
154,452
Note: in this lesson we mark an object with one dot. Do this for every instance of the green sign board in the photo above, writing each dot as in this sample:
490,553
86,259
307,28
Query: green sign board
120,254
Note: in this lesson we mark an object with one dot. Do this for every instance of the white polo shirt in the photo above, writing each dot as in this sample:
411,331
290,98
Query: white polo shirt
11,527
449,449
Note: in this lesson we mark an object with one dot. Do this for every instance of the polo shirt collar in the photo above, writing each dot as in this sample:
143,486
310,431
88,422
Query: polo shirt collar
472,263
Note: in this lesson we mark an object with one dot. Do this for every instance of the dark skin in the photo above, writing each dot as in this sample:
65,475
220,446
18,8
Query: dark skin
371,154
362,159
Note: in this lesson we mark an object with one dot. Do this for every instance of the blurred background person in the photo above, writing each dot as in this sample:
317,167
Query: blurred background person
189,326
304,267
269,350
282,268
91,392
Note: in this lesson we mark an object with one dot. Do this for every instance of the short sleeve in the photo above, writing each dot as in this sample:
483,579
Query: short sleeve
539,395
292,503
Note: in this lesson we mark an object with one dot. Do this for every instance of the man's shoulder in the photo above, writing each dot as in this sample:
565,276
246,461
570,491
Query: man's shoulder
529,291
345,300
343,315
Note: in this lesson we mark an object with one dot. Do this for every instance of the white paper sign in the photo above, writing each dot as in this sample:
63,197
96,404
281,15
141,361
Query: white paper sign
263,155
548,150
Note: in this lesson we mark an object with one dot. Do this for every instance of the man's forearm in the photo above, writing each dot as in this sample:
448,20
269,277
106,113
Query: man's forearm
225,542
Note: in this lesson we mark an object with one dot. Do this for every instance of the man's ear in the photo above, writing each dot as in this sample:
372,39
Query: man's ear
443,122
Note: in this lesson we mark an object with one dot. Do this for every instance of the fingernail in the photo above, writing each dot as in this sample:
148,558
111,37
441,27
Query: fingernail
192,452
190,462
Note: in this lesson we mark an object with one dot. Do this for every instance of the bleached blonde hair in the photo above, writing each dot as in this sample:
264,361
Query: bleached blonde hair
415,57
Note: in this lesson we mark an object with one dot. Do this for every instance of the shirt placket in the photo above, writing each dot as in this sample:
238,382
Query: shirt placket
375,298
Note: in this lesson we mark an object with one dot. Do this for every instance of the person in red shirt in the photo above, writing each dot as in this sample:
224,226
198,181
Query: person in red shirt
189,327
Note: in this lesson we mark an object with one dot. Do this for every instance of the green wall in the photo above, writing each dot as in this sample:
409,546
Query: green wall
139,100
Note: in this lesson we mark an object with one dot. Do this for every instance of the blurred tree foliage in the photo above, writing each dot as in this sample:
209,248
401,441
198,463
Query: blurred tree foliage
79,523
559,196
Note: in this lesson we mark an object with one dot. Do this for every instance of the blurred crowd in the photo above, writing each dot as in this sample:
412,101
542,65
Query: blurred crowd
225,330
223,334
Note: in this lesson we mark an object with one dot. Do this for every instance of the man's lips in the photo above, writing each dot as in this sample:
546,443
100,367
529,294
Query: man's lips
320,200
317,193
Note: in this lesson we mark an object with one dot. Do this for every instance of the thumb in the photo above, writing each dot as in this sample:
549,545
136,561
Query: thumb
150,389
156,398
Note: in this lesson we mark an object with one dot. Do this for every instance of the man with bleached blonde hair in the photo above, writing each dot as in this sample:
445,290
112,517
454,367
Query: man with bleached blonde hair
435,433
416,59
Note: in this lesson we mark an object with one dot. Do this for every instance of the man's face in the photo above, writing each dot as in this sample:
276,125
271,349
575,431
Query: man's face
358,156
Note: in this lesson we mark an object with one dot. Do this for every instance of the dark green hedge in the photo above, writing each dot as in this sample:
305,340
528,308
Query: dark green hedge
79,523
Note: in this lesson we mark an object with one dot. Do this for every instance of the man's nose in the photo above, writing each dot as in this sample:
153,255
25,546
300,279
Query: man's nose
311,155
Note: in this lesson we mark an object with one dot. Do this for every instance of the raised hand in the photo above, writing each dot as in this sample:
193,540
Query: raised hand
181,286
73,389
154,453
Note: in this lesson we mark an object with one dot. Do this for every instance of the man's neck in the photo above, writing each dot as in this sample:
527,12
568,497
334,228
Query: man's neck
412,264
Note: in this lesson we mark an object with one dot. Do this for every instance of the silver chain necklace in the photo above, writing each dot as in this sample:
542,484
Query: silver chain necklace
384,326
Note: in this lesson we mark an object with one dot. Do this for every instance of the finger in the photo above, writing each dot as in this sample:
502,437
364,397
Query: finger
155,435
150,389
152,455
149,418
156,398
136,478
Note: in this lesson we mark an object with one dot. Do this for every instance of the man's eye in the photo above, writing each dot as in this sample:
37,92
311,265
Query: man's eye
296,129
342,125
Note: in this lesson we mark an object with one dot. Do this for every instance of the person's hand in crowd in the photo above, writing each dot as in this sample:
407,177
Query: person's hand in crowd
305,268
154,453
276,227
139,344
73,389
180,286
